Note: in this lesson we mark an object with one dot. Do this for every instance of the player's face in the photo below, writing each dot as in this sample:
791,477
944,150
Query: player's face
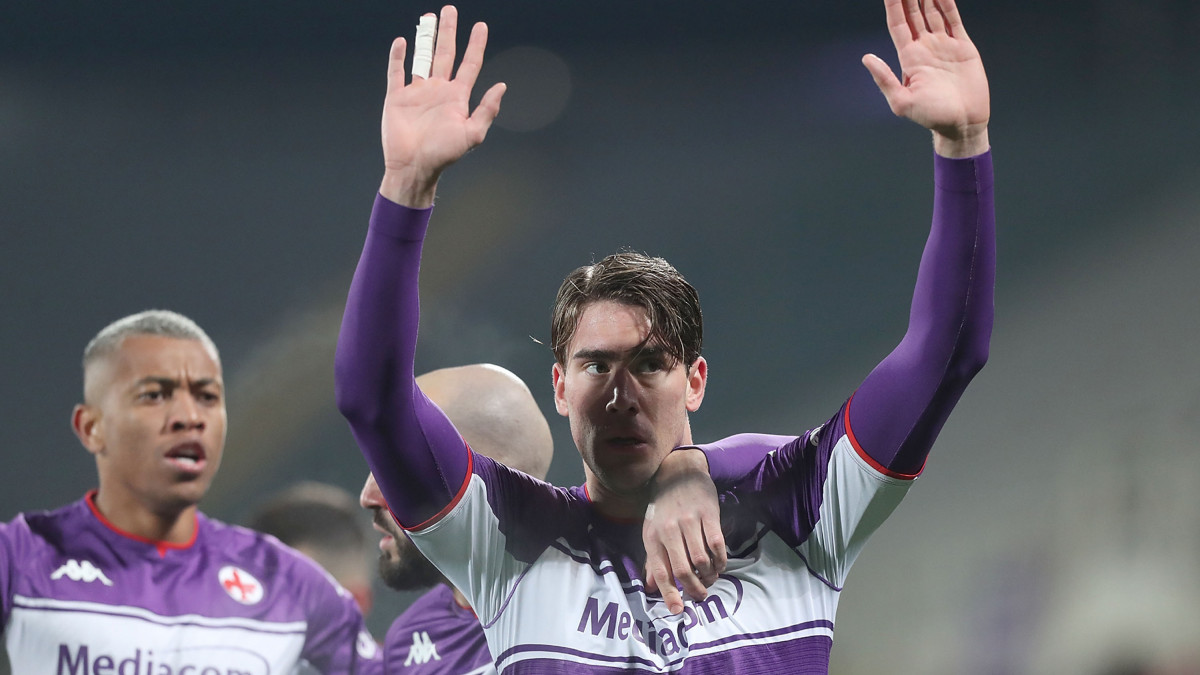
628,407
155,420
401,566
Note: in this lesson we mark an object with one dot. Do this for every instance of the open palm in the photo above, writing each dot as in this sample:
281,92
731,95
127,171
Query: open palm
945,88
428,124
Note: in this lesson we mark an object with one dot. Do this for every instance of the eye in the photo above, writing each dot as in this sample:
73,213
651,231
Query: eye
651,366
209,397
152,395
595,368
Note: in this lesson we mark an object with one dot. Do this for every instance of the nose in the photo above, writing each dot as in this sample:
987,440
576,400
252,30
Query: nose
624,397
186,413
371,497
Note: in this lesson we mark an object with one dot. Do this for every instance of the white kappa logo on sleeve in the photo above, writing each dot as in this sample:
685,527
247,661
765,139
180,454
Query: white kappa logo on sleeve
240,585
422,650
81,571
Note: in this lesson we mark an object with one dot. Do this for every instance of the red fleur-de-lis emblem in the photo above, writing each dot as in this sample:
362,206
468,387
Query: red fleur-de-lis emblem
240,585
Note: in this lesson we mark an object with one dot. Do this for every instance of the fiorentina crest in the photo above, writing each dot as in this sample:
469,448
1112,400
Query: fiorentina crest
240,585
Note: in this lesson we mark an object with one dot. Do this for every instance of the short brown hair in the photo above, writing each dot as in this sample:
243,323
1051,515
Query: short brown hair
639,280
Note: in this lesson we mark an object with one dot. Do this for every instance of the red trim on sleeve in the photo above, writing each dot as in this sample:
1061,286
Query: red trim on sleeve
868,458
462,490
161,546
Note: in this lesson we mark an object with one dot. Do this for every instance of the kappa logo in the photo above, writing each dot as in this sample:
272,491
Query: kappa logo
366,645
81,571
422,650
240,585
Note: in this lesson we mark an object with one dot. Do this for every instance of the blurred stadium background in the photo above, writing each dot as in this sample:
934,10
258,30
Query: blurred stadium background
220,159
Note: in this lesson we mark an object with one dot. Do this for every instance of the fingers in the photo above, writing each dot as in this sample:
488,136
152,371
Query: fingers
898,23
715,543
915,18
683,567
443,54
954,24
658,578
472,61
885,79
395,76
705,573
423,46
933,17
485,113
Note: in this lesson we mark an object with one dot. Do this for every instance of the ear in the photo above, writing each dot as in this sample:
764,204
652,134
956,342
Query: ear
559,378
697,380
87,425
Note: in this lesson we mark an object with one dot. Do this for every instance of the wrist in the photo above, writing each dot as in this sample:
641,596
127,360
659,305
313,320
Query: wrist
683,460
409,187
969,143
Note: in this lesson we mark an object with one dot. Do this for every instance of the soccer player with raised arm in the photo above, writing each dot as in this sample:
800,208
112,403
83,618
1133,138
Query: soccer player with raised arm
558,577
133,579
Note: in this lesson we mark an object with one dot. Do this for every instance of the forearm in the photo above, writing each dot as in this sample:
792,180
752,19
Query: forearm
897,412
417,457
733,458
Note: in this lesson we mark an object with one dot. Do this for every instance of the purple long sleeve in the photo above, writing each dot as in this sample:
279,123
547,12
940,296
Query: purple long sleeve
896,413
418,458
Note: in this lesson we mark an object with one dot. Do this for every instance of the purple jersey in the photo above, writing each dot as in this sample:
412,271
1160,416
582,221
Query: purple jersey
81,597
558,588
435,636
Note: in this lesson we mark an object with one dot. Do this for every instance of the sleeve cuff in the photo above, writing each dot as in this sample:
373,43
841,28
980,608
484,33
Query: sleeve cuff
969,174
399,222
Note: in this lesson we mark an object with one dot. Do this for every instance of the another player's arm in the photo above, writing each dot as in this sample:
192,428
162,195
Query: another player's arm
414,452
682,529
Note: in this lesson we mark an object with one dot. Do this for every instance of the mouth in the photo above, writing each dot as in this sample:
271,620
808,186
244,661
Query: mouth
629,443
388,539
189,457
387,543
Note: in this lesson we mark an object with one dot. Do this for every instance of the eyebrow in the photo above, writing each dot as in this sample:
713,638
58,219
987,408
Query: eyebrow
647,351
173,383
599,354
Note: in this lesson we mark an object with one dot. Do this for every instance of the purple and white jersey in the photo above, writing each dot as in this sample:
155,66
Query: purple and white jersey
81,597
559,588
435,636
556,585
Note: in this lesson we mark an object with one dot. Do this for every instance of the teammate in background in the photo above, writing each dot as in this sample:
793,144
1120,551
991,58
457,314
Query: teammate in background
497,416
323,522
556,576
133,578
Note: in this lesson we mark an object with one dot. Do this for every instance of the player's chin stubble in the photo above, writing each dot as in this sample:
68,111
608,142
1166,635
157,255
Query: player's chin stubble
408,569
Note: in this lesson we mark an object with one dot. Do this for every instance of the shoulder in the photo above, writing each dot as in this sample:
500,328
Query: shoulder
510,489
433,607
44,528
435,625
265,554
530,512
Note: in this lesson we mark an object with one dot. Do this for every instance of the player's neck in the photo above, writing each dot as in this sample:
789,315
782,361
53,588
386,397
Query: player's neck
614,505
130,516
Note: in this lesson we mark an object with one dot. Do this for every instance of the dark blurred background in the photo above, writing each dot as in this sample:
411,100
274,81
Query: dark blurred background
220,159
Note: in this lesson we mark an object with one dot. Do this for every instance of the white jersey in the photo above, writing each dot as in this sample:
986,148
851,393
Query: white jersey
559,588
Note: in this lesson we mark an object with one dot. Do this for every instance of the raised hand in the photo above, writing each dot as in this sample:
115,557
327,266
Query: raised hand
427,123
944,87
682,530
